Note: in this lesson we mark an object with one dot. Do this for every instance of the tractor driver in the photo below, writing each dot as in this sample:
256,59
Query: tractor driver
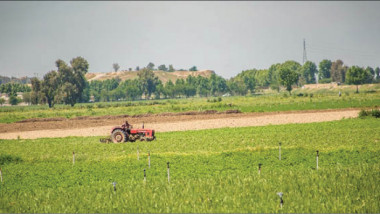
126,125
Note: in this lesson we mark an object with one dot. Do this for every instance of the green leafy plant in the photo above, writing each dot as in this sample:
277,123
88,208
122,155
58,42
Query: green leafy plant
213,170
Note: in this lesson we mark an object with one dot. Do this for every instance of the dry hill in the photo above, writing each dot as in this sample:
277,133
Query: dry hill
162,75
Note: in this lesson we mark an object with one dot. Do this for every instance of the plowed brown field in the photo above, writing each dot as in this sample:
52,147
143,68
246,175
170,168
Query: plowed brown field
101,126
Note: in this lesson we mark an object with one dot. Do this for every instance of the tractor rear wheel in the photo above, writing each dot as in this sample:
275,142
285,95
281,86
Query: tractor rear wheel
118,136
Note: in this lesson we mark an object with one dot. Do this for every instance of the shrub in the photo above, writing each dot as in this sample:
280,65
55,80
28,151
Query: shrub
375,113
13,100
214,100
363,113
326,80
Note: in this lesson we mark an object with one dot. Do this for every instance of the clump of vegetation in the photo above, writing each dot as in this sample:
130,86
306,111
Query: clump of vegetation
13,100
376,113
366,113
363,113
214,100
5,158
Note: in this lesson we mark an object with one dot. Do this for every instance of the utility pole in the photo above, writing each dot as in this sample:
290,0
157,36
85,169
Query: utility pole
304,52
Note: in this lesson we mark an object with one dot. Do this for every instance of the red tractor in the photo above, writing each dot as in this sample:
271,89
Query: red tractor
125,133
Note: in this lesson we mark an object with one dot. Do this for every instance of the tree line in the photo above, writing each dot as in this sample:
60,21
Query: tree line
11,88
21,80
292,73
147,85
287,74
151,66
67,85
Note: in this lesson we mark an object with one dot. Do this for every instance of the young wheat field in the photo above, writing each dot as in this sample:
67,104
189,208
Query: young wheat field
211,171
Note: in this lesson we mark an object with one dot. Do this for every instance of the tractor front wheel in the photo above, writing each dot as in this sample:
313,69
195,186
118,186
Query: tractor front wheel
118,136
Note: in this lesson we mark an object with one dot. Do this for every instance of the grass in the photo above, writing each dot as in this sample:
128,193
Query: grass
213,171
321,99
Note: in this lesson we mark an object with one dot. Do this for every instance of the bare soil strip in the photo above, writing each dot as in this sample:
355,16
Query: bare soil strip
165,123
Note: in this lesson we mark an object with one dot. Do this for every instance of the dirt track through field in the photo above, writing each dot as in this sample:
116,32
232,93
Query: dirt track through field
168,123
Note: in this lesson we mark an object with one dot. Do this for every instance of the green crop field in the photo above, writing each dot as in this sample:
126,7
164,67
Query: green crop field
300,100
211,171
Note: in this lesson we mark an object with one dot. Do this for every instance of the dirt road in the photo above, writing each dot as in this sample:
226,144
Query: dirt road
101,126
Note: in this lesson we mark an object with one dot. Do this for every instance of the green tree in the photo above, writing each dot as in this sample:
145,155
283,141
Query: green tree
338,71
221,85
72,79
14,100
247,77
115,66
162,67
150,66
356,76
26,98
104,96
36,94
372,76
85,96
133,91
159,90
293,66
309,70
50,86
2,101
171,68
191,80
11,88
377,73
148,81
194,68
287,78
179,87
169,90
325,69
250,82
262,78
69,92
273,73
190,90
203,86
237,86
111,84
137,68
117,94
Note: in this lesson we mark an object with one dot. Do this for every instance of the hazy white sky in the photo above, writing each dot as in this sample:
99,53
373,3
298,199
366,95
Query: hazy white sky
226,37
